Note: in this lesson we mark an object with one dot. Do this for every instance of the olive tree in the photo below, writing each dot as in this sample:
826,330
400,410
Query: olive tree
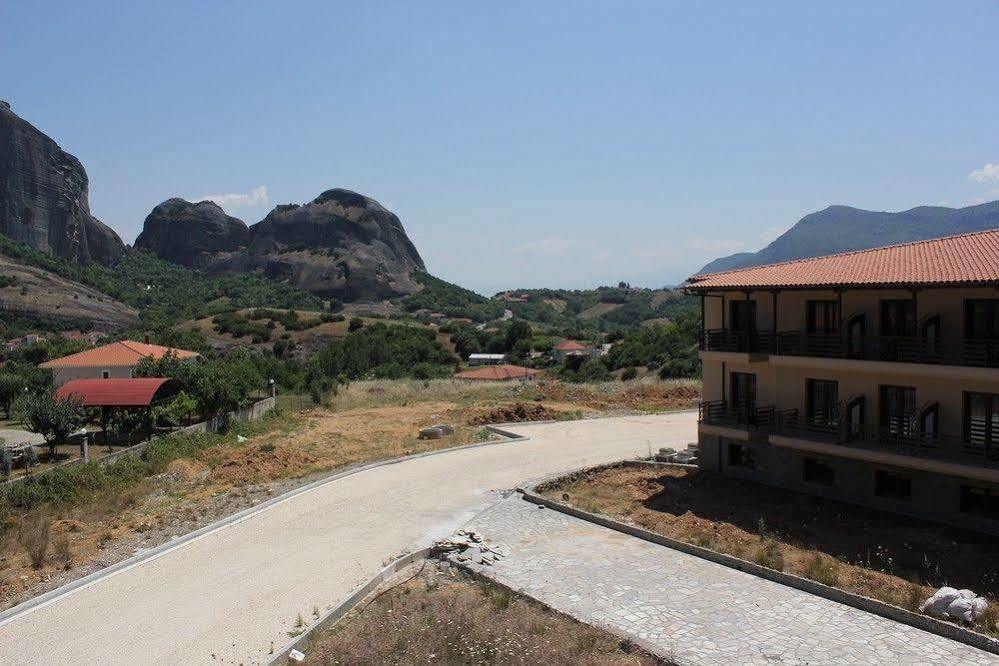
53,418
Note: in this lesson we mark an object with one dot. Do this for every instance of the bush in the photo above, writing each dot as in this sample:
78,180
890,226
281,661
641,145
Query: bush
768,554
181,410
355,325
629,374
33,534
822,569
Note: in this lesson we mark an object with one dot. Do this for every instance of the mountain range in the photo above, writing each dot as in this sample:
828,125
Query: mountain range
845,229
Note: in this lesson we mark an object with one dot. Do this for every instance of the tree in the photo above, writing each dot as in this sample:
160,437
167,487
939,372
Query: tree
355,324
52,418
518,330
11,386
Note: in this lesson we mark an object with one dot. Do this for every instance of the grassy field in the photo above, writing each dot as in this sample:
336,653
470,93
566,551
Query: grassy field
895,559
96,516
449,618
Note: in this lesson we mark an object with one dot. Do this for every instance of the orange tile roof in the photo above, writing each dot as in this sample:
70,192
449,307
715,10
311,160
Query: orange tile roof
113,392
117,354
569,345
498,373
955,260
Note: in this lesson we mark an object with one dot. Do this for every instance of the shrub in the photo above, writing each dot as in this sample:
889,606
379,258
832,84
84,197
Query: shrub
768,554
33,535
822,569
629,374
355,325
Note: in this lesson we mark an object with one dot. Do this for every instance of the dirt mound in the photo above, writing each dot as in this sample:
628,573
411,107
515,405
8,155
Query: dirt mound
642,397
258,463
516,413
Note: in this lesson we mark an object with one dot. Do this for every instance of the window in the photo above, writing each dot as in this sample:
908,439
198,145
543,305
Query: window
740,455
822,401
898,318
743,394
105,374
981,418
892,486
981,318
823,317
982,502
743,316
898,411
819,472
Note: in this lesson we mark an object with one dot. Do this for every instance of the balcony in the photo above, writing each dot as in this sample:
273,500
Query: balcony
897,349
891,441
750,417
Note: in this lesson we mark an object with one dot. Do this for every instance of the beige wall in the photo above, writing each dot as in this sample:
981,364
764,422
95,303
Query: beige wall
62,375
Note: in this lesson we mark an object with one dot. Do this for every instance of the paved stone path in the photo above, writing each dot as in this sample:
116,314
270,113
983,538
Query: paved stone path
687,609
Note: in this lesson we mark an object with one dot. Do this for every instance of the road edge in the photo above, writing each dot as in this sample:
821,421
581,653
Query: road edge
46,598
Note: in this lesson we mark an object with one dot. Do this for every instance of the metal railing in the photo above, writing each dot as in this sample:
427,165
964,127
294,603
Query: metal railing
895,440
744,415
890,348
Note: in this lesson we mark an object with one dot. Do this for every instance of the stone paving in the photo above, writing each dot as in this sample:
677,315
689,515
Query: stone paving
687,609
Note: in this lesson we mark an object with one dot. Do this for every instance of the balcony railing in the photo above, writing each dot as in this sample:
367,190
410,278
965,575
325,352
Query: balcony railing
899,349
946,448
747,416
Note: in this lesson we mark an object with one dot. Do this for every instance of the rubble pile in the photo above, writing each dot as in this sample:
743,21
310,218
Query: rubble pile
468,546
687,456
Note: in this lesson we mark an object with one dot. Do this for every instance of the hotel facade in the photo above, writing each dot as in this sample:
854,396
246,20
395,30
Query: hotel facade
870,377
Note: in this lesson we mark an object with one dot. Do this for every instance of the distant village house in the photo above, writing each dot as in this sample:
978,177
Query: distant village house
112,361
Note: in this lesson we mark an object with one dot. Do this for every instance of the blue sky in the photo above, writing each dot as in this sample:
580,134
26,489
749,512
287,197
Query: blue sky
561,144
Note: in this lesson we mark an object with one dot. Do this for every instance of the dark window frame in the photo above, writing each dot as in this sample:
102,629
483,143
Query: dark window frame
830,315
892,485
811,385
818,472
744,456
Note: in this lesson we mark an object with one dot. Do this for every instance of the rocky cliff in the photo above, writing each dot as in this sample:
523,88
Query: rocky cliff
43,196
341,244
191,234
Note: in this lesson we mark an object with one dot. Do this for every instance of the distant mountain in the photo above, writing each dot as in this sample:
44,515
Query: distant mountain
844,229
43,196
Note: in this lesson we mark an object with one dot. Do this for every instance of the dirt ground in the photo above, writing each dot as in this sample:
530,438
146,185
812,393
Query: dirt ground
899,560
366,421
447,617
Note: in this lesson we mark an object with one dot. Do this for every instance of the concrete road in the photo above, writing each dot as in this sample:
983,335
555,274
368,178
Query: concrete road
230,595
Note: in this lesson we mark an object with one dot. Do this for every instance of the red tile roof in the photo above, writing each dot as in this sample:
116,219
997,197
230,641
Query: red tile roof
569,345
955,260
498,373
113,392
117,354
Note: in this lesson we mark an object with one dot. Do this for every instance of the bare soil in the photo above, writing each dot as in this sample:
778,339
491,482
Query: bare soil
448,618
898,560
518,413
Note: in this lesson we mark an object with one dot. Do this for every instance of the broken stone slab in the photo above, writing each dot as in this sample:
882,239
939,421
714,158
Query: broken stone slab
444,428
431,433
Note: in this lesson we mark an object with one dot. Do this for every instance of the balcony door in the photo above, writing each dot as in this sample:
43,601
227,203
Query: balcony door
822,402
823,317
742,316
981,331
743,394
981,419
898,411
855,332
898,322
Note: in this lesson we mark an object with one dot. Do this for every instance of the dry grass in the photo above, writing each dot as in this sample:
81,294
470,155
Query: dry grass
892,558
450,619
33,536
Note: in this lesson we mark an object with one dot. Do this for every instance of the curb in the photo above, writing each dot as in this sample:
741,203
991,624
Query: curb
48,597
924,622
348,604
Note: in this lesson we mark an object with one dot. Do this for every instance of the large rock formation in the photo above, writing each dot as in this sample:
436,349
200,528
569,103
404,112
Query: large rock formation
341,244
191,233
43,196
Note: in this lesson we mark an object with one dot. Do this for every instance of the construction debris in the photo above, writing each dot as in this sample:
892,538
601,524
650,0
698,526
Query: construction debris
948,603
468,546
296,655
686,457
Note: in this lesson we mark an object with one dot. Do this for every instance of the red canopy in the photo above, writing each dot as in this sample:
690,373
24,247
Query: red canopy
113,392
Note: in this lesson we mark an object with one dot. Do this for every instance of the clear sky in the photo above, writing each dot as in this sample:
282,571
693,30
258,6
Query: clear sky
560,144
